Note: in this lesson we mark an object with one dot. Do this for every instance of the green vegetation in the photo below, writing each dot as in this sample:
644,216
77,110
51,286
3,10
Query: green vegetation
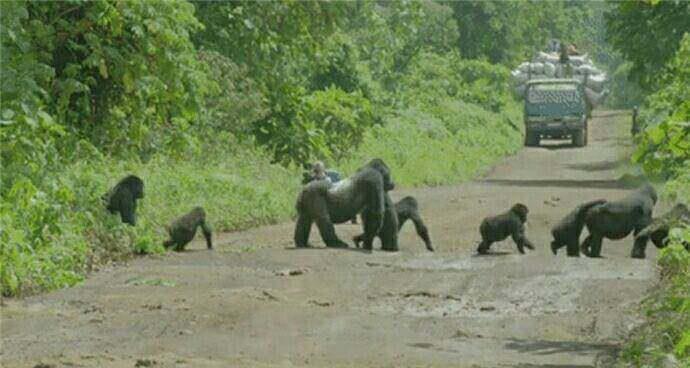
663,150
220,103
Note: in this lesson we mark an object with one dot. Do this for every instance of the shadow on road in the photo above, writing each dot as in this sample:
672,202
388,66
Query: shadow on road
599,184
598,166
558,146
556,347
497,253
552,366
351,249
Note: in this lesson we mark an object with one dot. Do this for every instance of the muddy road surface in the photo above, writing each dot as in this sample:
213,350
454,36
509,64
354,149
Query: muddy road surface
255,301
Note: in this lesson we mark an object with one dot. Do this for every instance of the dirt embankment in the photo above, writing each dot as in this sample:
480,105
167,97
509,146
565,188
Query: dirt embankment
256,301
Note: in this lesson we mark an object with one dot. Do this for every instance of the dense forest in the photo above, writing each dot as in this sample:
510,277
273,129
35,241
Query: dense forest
221,104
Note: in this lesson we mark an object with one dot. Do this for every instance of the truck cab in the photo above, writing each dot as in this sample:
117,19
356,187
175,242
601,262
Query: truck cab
556,109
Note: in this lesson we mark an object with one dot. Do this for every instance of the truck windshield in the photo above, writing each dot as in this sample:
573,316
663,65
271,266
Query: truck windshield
553,93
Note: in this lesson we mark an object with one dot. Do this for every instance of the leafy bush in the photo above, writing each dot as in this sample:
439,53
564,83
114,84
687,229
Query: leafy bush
113,73
235,100
667,331
433,77
326,124
336,65
664,147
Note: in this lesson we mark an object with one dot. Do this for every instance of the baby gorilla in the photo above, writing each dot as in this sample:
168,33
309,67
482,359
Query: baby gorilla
499,227
183,229
407,209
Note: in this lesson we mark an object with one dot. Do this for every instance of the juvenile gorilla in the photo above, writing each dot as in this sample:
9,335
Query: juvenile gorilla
499,227
407,209
615,220
122,198
183,229
364,192
567,231
658,230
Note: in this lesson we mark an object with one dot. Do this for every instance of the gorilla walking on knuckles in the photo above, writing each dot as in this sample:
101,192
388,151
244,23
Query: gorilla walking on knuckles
567,231
183,230
407,209
498,228
122,198
364,192
616,219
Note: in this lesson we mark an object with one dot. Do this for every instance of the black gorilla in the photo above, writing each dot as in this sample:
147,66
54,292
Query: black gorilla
567,231
407,209
499,227
658,230
616,219
122,198
183,229
364,192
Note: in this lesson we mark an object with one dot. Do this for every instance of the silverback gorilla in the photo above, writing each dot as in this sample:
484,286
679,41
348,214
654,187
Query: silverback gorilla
658,230
616,219
567,231
183,229
406,209
122,198
499,227
364,192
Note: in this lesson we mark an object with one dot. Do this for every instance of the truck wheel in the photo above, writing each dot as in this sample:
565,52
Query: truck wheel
531,139
580,138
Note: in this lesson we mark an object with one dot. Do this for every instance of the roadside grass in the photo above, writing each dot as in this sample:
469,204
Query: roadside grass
54,234
441,147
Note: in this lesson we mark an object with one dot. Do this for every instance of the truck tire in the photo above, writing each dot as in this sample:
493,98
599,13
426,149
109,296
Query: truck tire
531,139
580,138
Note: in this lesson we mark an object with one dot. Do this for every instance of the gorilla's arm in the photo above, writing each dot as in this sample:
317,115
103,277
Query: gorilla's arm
208,234
128,208
373,215
519,237
422,231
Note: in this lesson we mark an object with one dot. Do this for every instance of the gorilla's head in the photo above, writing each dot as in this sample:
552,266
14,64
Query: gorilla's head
381,167
135,186
521,211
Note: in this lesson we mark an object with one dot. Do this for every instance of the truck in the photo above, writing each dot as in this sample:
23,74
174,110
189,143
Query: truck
555,108
559,89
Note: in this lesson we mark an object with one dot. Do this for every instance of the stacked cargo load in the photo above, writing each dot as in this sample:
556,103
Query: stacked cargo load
548,65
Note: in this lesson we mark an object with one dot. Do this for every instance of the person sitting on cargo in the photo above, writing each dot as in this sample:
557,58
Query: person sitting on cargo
319,172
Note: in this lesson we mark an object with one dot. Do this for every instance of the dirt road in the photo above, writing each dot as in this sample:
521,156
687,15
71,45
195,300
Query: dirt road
239,305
